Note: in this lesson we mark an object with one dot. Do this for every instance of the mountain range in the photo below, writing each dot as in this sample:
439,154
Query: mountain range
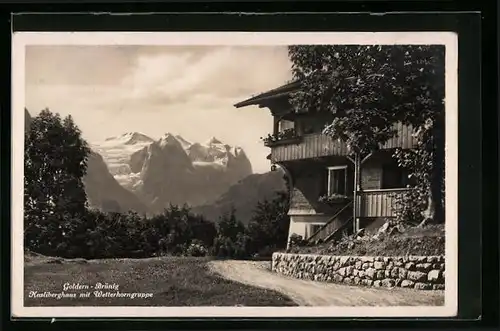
136,172
172,170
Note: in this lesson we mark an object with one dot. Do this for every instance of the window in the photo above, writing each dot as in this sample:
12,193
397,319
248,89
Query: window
315,228
284,125
337,180
394,177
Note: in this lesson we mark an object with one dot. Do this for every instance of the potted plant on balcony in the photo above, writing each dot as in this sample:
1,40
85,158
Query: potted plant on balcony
285,136
333,198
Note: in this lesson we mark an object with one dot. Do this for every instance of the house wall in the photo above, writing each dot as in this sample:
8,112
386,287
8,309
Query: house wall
310,181
371,177
302,225
372,170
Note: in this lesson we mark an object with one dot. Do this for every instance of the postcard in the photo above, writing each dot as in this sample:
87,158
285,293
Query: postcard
234,174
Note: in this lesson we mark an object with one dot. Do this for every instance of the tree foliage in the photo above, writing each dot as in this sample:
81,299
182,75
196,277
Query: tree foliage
370,88
55,163
269,225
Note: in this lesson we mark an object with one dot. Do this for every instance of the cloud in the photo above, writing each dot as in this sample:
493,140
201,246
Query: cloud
225,72
185,90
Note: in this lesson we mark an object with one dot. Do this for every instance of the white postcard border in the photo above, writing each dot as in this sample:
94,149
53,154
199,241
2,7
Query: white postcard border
22,39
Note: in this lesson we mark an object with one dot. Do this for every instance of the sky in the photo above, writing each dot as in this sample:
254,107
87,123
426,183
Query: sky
185,90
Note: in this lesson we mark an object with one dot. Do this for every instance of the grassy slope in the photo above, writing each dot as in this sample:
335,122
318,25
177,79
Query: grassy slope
173,282
414,241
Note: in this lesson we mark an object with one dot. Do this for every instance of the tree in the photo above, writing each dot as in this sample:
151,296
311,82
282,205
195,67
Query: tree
268,227
230,237
55,163
370,88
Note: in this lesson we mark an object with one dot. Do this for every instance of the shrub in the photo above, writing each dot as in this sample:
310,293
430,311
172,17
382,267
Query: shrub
297,241
196,249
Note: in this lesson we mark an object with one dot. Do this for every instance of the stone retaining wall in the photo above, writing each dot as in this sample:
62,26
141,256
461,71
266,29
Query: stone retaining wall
418,272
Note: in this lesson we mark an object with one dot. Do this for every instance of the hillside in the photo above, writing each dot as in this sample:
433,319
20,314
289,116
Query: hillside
105,193
244,195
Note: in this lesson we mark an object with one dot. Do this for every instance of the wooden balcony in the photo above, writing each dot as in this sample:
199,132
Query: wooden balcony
379,203
319,145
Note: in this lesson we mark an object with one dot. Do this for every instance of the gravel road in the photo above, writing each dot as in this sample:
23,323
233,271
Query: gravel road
311,293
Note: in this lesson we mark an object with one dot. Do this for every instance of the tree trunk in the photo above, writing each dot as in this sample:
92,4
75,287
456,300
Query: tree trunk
435,206
430,212
438,173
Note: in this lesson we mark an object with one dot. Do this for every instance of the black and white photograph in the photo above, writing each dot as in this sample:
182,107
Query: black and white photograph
247,174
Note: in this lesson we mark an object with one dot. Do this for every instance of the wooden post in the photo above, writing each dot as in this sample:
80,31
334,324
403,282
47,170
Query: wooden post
357,180
356,205
275,124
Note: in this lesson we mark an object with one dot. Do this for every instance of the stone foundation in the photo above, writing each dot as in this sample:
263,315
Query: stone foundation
418,272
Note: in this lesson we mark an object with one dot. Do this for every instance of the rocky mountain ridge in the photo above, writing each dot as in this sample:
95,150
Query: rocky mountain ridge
135,172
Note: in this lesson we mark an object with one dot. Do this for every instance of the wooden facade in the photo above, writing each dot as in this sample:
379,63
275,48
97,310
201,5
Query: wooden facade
311,160
316,145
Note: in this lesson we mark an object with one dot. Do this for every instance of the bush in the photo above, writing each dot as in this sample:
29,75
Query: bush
196,249
297,241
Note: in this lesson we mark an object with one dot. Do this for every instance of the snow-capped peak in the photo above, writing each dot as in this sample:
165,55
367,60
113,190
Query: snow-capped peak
185,144
168,139
213,141
130,138
236,151
137,137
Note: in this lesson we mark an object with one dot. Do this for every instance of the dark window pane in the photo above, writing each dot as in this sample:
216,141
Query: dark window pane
341,185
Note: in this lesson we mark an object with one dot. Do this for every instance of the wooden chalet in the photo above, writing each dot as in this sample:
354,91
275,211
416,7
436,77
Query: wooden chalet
324,201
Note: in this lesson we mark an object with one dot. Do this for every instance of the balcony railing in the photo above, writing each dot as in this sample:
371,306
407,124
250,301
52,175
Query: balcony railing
379,203
319,145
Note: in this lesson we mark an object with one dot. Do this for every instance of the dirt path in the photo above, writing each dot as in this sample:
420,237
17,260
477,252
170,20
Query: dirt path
310,293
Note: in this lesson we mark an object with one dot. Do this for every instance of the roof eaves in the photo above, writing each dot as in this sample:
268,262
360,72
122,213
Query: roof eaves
271,94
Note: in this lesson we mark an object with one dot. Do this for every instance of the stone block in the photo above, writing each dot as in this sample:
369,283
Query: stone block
424,267
344,261
438,287
403,273
407,283
417,276
432,259
338,278
367,282
348,281
434,276
410,266
370,273
388,282
423,286
367,258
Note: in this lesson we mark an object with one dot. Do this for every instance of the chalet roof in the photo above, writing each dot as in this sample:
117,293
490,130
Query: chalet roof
281,91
